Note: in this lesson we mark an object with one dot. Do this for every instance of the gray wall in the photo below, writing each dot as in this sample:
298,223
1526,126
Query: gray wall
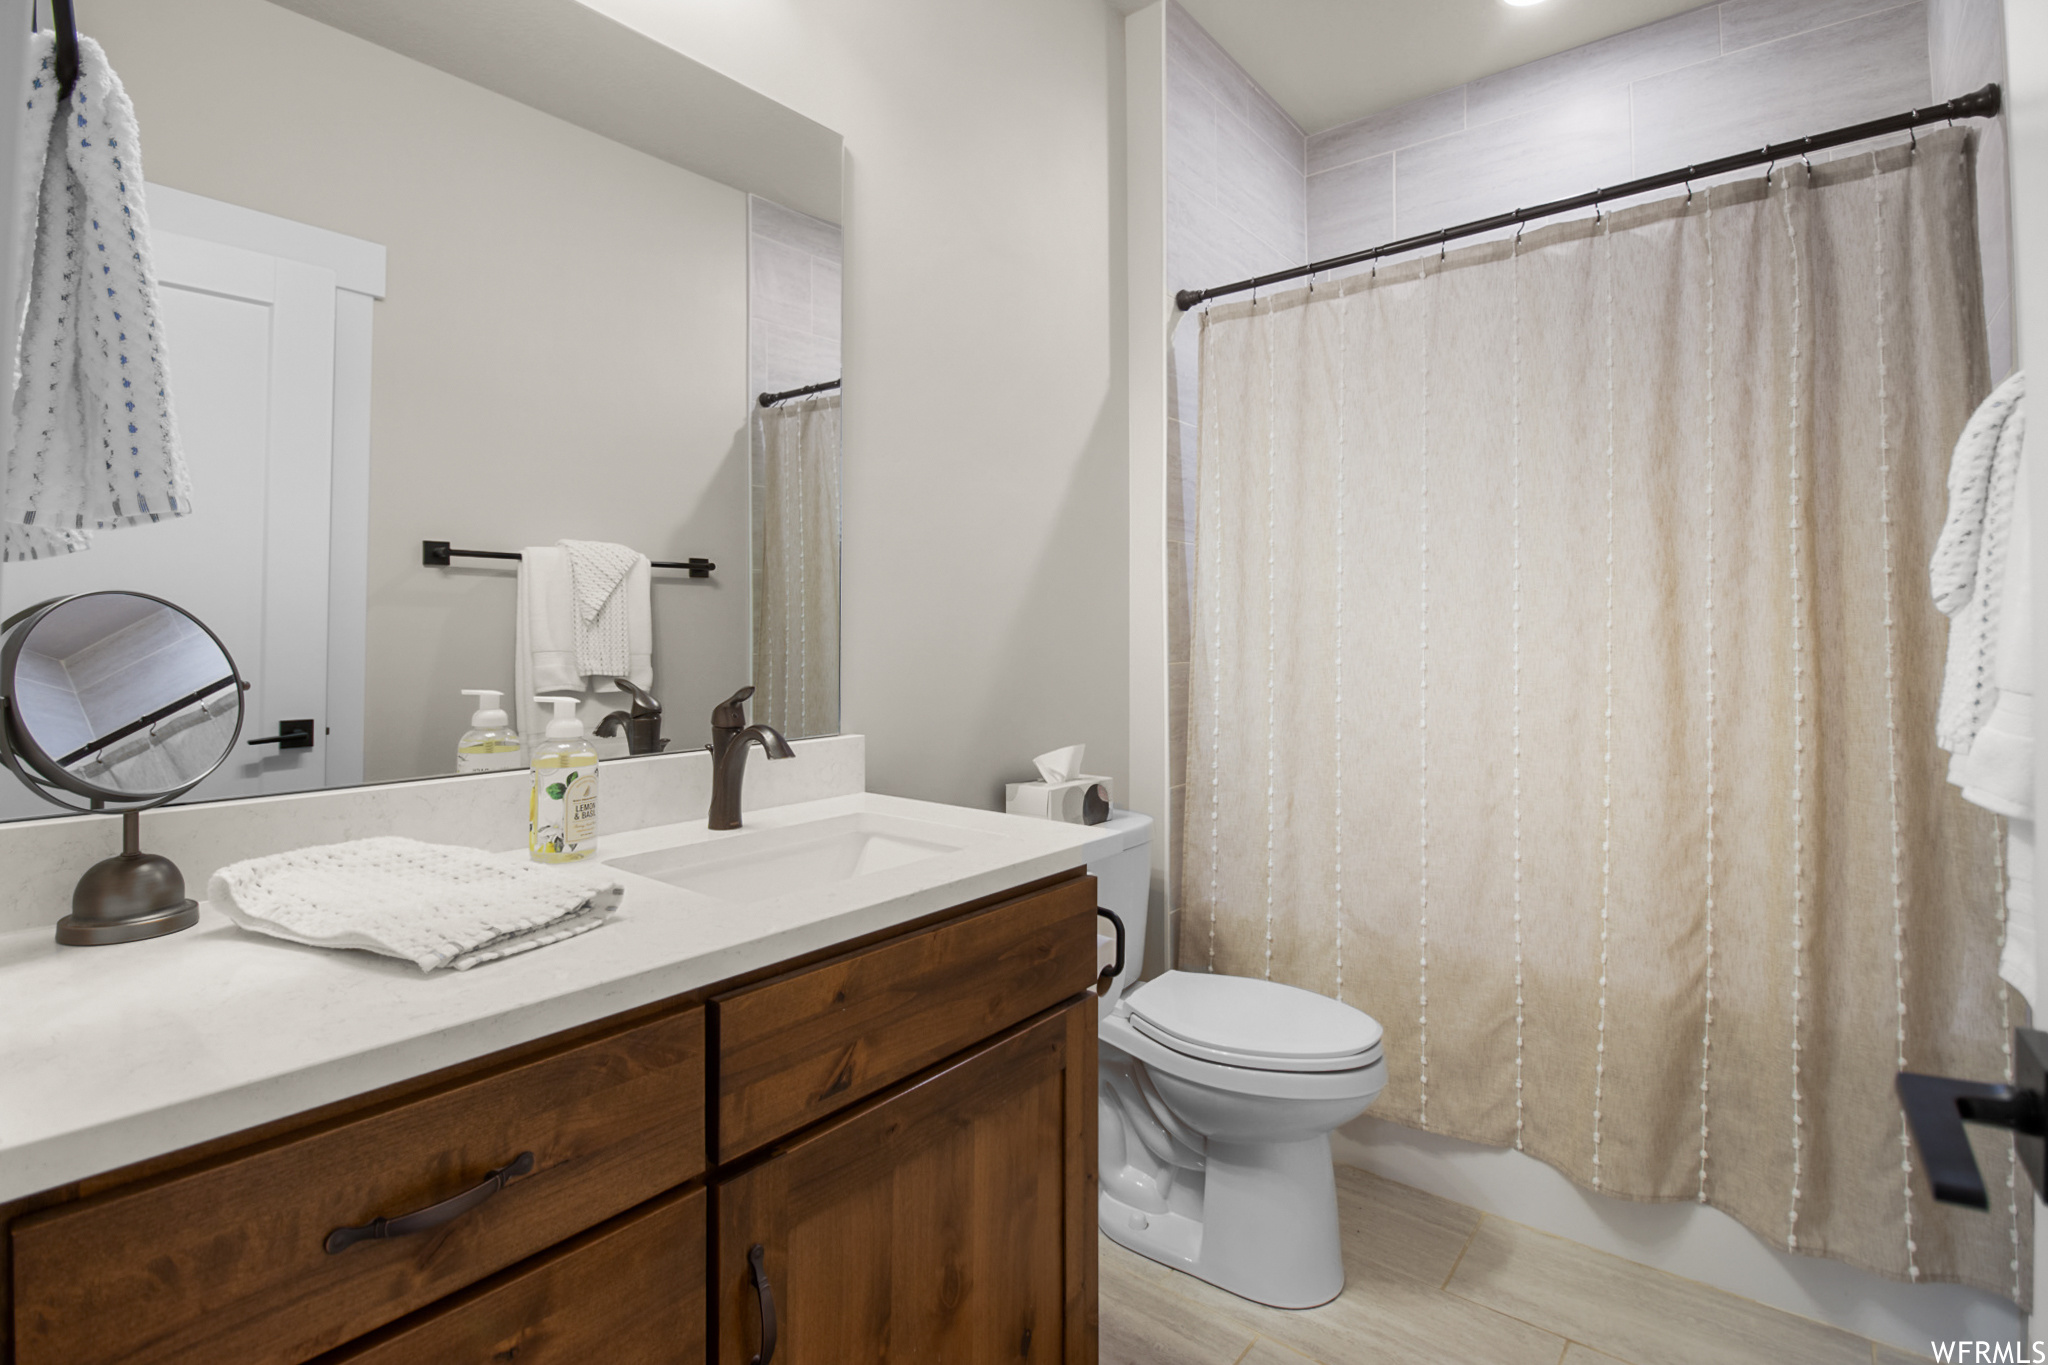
985,509
562,351
1965,49
1699,85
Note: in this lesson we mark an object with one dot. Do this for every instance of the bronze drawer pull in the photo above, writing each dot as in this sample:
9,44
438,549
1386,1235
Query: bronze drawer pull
767,1298
434,1215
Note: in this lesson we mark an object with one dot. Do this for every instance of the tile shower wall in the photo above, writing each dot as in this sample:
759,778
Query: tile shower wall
793,268
793,272
1698,85
1236,206
1695,86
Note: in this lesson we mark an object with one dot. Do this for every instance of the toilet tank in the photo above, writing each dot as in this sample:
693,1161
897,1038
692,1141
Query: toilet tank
1123,884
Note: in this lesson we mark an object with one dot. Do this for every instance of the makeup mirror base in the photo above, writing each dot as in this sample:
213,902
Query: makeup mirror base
127,898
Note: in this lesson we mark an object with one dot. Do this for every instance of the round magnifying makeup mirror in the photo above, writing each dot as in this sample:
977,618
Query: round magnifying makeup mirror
118,700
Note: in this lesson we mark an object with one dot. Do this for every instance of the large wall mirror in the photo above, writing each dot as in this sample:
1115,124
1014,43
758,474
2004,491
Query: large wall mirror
492,275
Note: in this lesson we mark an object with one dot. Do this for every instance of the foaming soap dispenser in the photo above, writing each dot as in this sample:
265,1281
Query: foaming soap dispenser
561,815
489,745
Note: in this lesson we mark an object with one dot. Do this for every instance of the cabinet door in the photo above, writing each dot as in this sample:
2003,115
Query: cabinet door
628,1292
951,1218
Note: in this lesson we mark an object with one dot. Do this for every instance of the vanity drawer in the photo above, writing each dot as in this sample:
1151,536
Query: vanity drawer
228,1260
796,1048
629,1292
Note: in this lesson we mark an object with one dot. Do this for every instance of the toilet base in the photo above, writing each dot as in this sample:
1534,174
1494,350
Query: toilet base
1265,1227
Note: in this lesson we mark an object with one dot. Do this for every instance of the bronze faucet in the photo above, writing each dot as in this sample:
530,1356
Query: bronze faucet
642,725
730,736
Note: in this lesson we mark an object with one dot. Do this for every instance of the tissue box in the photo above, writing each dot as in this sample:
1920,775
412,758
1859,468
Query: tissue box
1066,801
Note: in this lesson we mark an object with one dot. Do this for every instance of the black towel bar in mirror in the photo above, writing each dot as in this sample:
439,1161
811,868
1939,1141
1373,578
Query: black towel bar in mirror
438,554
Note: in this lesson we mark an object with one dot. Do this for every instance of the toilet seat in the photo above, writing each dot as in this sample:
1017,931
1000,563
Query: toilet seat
1258,1025
1118,1032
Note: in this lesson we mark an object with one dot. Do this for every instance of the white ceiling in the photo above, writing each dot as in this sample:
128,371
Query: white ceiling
1331,61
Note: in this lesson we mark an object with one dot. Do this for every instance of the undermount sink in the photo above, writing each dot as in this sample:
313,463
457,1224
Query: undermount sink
758,864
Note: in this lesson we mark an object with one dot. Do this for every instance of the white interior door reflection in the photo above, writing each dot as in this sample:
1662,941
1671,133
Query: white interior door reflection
252,347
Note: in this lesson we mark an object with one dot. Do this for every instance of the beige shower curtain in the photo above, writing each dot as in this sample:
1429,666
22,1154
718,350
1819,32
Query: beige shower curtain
1563,695
796,579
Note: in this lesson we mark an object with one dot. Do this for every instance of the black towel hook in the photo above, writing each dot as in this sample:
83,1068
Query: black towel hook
65,21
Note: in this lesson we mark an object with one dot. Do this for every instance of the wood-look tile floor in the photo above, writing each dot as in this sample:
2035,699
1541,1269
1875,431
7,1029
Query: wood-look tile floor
1430,1280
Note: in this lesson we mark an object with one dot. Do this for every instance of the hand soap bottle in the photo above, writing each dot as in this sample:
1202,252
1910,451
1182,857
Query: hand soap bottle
561,815
489,745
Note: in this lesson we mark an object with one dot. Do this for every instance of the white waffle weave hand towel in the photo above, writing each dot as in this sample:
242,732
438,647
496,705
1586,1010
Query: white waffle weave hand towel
433,905
95,443
1968,571
603,577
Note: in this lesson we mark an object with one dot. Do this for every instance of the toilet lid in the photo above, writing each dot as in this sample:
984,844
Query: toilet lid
1260,1024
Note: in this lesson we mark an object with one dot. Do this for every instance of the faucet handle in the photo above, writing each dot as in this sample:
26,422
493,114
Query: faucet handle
643,703
732,712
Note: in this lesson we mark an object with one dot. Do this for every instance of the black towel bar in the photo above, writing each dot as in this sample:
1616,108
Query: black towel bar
437,554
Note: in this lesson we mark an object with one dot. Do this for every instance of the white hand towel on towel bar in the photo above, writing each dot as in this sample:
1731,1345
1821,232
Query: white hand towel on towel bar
95,444
605,580
433,905
544,661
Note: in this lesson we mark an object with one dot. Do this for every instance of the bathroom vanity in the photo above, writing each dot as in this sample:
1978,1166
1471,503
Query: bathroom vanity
859,1115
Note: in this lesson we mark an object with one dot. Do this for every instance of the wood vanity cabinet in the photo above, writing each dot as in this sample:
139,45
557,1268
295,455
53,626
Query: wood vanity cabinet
947,1220
905,1127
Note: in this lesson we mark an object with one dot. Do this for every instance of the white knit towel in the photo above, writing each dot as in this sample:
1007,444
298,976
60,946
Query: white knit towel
432,904
95,443
598,571
1968,571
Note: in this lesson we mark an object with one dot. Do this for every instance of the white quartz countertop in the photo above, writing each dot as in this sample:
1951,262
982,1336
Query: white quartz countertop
112,1055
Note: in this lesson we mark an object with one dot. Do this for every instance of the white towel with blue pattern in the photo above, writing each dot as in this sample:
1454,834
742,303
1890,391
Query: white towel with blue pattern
1968,572
95,443
434,905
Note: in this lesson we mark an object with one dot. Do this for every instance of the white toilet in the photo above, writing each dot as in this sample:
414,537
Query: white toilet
1217,1098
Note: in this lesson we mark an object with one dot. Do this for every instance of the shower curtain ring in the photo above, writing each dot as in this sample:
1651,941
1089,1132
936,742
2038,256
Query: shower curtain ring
1688,191
1912,140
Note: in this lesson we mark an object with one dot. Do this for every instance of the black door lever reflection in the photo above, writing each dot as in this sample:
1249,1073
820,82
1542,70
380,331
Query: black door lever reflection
291,734
1937,1107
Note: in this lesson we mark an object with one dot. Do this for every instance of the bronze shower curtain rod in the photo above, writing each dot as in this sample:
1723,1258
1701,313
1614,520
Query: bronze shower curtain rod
1977,104
769,400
